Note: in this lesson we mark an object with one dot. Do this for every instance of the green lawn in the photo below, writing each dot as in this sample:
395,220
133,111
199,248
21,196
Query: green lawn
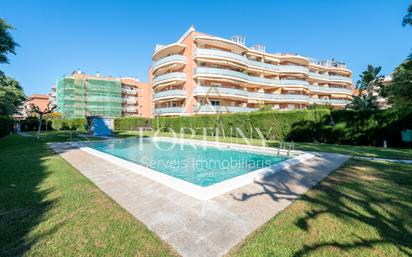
366,151
362,209
47,208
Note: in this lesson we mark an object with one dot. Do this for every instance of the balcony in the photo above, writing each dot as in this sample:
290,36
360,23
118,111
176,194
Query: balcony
319,76
129,91
176,93
330,89
236,75
221,91
169,60
221,72
214,109
294,69
162,51
169,77
129,101
202,90
199,52
130,109
169,110
330,101
340,79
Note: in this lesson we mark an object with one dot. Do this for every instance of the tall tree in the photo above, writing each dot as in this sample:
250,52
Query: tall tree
370,80
7,43
399,91
11,95
407,19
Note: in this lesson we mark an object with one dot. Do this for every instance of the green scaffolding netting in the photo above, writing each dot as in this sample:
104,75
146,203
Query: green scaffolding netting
77,98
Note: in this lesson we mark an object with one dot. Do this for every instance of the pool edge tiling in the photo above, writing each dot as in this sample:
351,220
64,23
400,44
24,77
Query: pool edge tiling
196,191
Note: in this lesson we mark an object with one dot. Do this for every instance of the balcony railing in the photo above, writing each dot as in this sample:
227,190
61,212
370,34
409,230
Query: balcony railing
294,68
213,109
330,89
171,58
129,91
169,76
203,90
340,78
169,93
130,109
319,76
168,110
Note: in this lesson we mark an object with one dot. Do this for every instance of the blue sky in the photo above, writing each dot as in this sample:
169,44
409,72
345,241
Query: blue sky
118,37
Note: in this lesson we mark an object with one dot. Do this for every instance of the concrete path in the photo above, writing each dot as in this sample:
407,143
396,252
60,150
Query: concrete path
194,227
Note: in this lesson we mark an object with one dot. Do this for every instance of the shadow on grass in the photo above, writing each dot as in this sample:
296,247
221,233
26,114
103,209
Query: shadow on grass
23,199
380,199
359,195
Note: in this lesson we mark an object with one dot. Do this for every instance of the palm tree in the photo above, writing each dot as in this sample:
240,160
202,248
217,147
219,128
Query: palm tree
362,103
370,80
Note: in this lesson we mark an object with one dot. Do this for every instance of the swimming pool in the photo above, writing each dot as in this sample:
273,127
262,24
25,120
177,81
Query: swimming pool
197,164
200,169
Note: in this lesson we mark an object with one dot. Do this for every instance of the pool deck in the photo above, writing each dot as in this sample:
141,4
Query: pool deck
195,227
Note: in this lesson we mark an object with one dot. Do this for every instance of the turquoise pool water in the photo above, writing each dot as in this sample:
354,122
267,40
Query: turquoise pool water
197,164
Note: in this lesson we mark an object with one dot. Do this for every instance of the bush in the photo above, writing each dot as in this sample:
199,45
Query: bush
355,128
32,124
79,124
271,124
131,123
5,125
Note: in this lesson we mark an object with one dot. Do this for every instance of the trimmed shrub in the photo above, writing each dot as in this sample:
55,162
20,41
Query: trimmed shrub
310,125
79,124
131,123
271,124
5,125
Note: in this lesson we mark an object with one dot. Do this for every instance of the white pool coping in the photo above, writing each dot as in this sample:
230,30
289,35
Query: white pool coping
209,192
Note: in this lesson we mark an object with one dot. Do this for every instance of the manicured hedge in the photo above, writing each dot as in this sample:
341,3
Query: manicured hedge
5,124
272,125
79,124
131,123
356,128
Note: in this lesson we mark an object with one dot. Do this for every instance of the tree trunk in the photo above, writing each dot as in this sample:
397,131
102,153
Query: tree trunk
39,128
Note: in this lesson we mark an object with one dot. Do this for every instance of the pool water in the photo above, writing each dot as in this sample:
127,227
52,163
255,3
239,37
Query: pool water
197,164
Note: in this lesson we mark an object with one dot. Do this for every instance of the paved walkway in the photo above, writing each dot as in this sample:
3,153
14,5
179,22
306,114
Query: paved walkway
194,227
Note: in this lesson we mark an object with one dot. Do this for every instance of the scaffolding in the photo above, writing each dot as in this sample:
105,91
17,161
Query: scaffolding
79,97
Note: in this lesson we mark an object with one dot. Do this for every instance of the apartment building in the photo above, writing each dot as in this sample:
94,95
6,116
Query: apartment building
39,100
204,74
80,95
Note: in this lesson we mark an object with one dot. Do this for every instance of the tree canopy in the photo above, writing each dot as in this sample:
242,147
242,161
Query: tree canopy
11,95
399,91
7,43
407,19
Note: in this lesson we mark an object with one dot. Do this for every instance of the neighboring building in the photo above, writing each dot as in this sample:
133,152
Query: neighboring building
52,96
383,102
136,98
41,101
201,74
81,95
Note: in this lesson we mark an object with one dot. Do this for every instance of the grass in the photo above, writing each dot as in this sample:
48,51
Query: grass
362,209
365,151
47,208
